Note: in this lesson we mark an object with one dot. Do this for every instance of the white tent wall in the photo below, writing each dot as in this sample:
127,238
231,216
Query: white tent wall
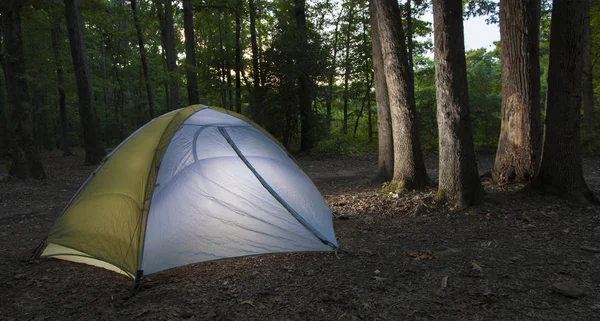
208,204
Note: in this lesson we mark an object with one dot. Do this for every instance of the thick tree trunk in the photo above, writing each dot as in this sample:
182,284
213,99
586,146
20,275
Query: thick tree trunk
56,35
519,145
384,120
409,166
4,131
561,171
347,69
307,139
238,58
26,161
458,176
409,35
144,60
256,104
588,86
165,14
190,53
94,148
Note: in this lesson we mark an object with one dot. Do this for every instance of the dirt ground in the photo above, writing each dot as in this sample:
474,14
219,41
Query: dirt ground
405,258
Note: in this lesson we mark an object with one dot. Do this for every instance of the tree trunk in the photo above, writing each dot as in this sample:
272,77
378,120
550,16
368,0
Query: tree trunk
255,68
140,37
384,122
107,136
409,167
94,148
329,97
165,14
222,59
4,131
56,35
561,171
409,36
588,86
307,139
190,53
458,176
519,145
347,70
26,161
238,58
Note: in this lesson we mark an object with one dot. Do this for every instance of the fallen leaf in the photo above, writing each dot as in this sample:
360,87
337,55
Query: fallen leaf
248,302
444,282
476,266
379,278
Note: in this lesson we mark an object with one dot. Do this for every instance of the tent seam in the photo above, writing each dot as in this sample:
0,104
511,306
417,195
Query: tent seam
151,191
292,212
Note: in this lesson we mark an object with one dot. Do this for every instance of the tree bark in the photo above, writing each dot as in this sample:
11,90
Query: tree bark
561,171
329,97
165,13
307,139
458,176
25,156
94,148
144,60
385,170
409,36
254,110
519,146
347,69
238,58
409,166
588,86
107,136
4,110
190,53
56,35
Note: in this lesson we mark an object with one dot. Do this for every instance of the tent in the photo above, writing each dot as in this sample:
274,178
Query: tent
194,185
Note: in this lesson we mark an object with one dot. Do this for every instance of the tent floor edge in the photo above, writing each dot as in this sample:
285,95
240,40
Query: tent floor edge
136,282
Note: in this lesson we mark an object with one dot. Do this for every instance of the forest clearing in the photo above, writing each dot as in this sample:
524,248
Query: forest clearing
500,259
299,160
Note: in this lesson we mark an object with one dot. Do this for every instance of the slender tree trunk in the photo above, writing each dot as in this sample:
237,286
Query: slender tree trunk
588,86
107,135
222,59
26,161
458,176
56,35
385,170
256,104
94,148
144,60
519,145
347,70
368,75
332,72
409,166
307,139
561,171
165,14
190,53
238,57
229,80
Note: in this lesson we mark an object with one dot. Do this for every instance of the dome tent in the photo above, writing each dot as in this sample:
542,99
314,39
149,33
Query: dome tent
194,185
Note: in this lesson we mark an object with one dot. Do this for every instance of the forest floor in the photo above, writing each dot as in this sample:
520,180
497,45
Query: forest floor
407,258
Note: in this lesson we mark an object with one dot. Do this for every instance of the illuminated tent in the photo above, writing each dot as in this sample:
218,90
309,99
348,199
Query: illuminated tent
194,185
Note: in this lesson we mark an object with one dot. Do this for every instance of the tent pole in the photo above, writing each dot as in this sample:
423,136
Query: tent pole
136,282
